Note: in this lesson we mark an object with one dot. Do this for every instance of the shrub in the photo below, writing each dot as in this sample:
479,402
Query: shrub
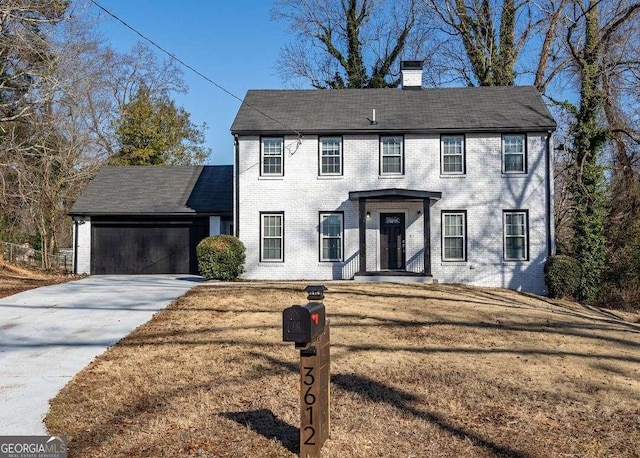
221,257
562,275
624,297
622,282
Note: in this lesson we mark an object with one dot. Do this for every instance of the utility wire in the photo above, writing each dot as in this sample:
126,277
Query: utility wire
202,75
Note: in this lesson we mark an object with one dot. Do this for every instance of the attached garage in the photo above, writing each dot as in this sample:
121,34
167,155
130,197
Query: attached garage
146,246
149,220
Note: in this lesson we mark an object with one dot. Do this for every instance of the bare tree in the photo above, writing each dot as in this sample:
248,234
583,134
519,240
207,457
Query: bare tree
349,43
621,100
491,42
49,153
595,30
116,80
62,127
23,51
25,57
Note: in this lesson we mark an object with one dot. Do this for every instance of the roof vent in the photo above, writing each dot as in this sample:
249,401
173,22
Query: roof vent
372,119
411,71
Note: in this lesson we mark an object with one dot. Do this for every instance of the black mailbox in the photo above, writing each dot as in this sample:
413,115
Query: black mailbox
303,324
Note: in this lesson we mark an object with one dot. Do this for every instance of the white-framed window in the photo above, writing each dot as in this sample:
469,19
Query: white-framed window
452,157
516,234
454,235
272,237
391,156
514,153
331,236
272,156
330,156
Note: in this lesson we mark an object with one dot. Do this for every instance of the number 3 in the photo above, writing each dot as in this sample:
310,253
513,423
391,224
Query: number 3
310,375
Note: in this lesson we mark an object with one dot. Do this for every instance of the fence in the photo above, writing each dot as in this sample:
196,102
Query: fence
27,256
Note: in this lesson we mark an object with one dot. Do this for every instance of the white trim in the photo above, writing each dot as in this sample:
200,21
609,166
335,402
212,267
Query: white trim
322,237
462,158
525,236
444,237
339,157
552,194
330,177
263,237
382,156
524,154
262,157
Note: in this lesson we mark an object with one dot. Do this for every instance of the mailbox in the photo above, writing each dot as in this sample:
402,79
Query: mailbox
303,324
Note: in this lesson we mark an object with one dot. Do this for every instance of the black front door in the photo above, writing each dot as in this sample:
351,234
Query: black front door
392,235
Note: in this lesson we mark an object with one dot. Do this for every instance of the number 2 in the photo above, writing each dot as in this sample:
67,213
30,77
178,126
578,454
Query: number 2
313,433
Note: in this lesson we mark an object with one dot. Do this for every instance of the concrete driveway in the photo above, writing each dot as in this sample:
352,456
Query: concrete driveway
49,334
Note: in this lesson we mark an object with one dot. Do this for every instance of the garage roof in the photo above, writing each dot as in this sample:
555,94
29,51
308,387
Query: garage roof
158,190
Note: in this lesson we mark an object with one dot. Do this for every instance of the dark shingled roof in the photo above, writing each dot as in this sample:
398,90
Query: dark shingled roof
139,190
472,109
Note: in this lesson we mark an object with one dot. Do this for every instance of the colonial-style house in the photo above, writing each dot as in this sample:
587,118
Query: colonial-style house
452,185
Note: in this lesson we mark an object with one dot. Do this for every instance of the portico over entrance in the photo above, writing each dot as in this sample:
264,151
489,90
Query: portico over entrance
393,214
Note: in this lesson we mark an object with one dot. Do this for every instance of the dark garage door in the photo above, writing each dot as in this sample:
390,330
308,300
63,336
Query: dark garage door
146,246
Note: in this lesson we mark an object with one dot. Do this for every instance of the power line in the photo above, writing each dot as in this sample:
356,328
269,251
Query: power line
183,63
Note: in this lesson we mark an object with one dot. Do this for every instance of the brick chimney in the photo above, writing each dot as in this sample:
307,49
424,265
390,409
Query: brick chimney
411,71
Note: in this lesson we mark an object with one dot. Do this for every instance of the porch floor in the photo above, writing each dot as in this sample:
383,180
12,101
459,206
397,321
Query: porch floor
392,276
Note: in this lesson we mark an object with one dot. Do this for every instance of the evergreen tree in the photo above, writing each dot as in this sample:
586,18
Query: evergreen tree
153,131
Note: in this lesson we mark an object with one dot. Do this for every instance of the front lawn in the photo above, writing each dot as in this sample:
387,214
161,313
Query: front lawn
15,279
417,371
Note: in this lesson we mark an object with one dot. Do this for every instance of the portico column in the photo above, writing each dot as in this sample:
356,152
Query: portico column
362,232
426,221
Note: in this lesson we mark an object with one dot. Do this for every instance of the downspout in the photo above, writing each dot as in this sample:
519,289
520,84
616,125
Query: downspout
551,249
236,168
75,246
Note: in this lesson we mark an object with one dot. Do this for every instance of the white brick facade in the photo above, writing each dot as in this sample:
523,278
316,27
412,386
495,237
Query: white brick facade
484,192
82,256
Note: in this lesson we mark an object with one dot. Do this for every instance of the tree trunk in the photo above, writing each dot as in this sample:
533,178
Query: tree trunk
588,181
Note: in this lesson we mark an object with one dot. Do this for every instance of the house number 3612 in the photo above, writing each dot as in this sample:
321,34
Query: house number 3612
309,402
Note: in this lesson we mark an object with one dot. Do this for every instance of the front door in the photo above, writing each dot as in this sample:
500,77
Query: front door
392,240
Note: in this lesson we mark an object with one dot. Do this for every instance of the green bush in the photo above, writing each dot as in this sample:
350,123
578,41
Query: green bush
562,275
221,257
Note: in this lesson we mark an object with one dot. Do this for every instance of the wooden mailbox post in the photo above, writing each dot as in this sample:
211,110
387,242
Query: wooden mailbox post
308,327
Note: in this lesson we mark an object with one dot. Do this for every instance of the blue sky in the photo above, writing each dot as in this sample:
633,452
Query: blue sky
235,43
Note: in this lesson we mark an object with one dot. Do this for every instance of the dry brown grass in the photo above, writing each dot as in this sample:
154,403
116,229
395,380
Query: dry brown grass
15,279
417,371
